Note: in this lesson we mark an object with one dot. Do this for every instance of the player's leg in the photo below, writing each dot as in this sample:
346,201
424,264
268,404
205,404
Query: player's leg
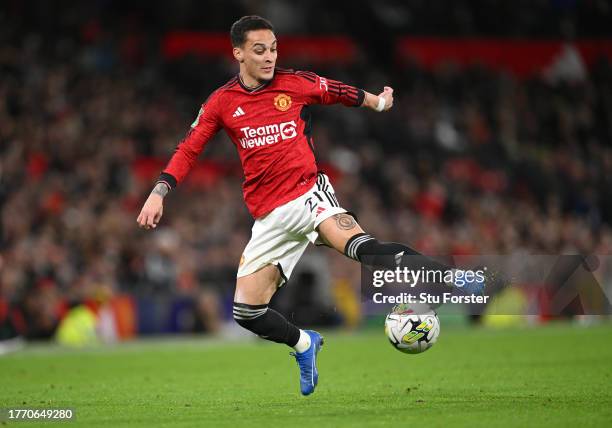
251,311
343,233
339,229
276,245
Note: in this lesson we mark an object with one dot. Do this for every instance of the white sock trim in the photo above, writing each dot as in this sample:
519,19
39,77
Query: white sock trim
303,343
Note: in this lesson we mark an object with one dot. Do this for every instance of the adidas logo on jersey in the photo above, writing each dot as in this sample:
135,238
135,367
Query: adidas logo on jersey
238,112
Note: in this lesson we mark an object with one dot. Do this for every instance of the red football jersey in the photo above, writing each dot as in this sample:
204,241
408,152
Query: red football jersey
271,131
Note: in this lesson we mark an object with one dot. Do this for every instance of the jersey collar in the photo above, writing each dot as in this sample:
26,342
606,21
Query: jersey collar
256,88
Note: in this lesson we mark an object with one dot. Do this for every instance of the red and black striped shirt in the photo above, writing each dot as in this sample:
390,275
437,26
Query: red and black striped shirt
270,130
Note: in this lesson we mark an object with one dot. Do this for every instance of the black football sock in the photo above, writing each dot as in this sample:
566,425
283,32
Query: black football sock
391,255
368,250
266,323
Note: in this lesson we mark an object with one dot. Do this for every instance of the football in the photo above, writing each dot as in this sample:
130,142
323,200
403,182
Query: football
412,330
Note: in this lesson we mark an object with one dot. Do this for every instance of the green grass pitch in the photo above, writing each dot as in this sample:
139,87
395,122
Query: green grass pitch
559,375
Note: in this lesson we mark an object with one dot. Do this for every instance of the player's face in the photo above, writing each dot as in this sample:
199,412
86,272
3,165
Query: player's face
259,54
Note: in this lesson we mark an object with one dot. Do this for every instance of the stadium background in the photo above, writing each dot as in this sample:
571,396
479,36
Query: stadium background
500,141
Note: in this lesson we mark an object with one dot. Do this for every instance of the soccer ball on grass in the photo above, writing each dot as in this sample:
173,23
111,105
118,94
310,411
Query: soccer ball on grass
412,330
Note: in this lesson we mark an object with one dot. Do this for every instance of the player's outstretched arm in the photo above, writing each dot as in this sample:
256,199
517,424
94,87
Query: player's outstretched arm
380,102
153,208
202,130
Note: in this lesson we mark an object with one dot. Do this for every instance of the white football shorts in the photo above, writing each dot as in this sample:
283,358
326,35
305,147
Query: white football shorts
281,237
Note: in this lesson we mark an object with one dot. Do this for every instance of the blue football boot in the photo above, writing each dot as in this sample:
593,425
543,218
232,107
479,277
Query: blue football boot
307,361
475,286
491,282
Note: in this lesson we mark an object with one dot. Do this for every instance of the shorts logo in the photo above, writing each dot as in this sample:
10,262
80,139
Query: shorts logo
319,211
241,260
268,134
282,102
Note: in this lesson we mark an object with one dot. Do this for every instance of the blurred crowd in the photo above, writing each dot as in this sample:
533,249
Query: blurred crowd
362,18
467,162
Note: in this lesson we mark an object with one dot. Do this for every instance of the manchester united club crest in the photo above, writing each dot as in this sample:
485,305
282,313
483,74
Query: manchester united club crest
282,102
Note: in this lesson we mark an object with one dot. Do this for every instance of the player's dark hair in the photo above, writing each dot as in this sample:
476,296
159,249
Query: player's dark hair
245,24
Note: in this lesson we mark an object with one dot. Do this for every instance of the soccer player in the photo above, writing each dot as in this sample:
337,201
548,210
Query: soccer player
264,110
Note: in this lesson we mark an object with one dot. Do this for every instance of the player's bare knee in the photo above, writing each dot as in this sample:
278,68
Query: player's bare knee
254,293
259,287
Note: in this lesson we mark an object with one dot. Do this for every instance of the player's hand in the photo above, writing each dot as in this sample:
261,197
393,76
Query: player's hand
151,212
387,94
